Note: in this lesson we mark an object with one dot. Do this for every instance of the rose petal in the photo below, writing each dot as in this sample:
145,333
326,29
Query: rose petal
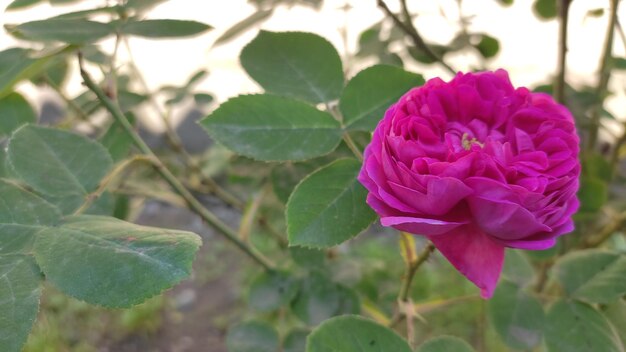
420,226
474,254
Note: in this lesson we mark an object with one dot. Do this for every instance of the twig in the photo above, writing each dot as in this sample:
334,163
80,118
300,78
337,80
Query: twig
606,232
410,30
603,76
167,175
559,91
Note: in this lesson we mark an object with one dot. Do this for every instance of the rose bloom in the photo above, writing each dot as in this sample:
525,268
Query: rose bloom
476,166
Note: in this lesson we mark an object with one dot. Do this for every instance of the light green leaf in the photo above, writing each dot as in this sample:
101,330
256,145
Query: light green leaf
252,336
242,26
615,312
164,28
445,344
117,142
354,334
545,9
517,317
596,276
270,291
517,267
577,327
294,64
272,128
22,215
15,111
57,163
19,300
113,263
371,92
21,4
328,207
71,31
3,157
17,64
296,341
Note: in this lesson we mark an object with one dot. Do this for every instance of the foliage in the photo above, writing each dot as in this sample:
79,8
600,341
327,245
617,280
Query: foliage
322,277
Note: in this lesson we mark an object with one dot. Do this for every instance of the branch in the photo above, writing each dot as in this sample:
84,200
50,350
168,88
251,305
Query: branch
167,175
559,91
412,32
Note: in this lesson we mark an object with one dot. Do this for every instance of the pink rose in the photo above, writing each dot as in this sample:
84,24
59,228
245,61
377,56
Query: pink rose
476,166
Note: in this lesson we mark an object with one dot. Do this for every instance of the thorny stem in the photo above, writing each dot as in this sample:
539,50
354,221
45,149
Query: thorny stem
410,30
559,91
106,181
167,175
603,77
411,269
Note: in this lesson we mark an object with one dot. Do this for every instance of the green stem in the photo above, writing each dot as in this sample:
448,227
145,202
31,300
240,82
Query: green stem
167,175
353,147
559,91
603,77
409,29
411,269
106,181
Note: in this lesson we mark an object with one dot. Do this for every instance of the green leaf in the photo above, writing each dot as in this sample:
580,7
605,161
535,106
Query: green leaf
596,166
19,300
270,291
517,317
22,215
619,63
577,327
295,341
113,263
319,299
354,334
272,128
616,314
286,176
294,64
21,4
203,98
309,258
17,64
55,73
85,14
3,157
252,336
517,268
328,207
596,275
15,111
140,6
117,142
445,344
57,163
505,2
545,9
593,193
164,28
245,24
488,46
371,92
71,31
599,12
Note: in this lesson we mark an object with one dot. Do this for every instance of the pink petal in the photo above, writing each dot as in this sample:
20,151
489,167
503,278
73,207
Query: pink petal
474,254
420,226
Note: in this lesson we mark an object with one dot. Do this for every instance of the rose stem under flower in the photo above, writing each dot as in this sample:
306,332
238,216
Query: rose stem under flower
408,28
559,89
167,175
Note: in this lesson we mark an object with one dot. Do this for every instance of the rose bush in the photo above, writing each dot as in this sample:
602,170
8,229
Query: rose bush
475,165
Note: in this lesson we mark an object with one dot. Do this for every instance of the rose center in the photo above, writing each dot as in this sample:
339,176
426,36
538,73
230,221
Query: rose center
467,143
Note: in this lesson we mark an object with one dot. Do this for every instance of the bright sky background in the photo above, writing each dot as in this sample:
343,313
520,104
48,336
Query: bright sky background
528,46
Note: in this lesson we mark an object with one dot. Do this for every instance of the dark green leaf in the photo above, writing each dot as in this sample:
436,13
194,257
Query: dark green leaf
616,314
294,64
285,177
22,215
21,4
517,317
545,9
371,92
72,31
17,64
445,344
328,207
113,263
117,142
295,341
596,166
57,163
307,257
203,98
164,28
517,268
272,128
55,74
319,299
245,24
19,300
577,327
596,276
488,46
593,193
3,157
252,336
15,111
619,63
272,290
354,334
